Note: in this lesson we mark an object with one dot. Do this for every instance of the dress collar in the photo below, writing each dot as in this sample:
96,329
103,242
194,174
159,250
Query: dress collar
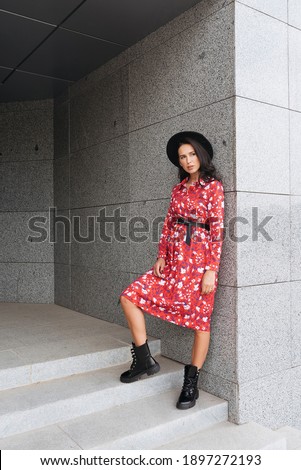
201,182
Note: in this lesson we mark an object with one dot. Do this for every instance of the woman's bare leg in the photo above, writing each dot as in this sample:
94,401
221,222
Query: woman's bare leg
200,348
135,319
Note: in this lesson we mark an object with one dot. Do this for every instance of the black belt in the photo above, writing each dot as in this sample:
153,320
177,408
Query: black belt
190,223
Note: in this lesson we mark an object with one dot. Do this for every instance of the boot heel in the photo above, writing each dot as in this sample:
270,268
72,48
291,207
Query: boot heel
153,370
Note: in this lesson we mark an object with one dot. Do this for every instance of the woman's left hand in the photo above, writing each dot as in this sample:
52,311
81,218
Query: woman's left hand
208,282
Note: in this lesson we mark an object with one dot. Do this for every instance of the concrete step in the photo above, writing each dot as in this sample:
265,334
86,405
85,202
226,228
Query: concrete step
292,435
145,423
47,438
230,436
34,406
49,360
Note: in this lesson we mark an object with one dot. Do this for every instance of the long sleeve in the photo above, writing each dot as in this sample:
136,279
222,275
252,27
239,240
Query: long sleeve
216,222
164,238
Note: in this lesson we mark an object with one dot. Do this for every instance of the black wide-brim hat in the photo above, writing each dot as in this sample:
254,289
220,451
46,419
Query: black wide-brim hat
173,144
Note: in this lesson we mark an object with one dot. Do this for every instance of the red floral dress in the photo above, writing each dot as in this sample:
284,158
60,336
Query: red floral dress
176,297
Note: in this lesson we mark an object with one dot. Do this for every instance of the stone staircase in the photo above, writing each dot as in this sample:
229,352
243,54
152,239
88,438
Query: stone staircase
60,389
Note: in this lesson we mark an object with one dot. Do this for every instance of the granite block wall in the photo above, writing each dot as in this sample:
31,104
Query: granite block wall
26,192
268,177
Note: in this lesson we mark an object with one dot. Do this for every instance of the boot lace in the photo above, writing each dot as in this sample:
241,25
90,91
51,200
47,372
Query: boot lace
190,383
134,357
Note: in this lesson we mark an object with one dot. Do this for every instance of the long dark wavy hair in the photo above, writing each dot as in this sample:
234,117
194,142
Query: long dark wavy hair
207,169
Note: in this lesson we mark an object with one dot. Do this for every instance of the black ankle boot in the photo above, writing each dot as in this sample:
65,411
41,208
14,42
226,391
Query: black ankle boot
190,392
143,363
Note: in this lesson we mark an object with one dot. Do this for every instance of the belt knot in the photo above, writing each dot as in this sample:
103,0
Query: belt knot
190,223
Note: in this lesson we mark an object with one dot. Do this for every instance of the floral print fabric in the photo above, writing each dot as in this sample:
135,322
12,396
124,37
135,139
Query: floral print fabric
176,297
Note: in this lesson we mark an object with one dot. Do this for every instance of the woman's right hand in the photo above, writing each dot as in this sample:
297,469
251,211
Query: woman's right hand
159,266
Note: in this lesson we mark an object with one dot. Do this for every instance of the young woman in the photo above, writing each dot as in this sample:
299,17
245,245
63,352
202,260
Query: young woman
181,286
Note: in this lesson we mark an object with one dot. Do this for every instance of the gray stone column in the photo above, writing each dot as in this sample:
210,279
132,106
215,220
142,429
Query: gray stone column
268,182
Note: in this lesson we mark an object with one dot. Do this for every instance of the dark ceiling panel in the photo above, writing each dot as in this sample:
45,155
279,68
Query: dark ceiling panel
101,30
125,22
24,86
4,72
51,11
18,37
70,56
